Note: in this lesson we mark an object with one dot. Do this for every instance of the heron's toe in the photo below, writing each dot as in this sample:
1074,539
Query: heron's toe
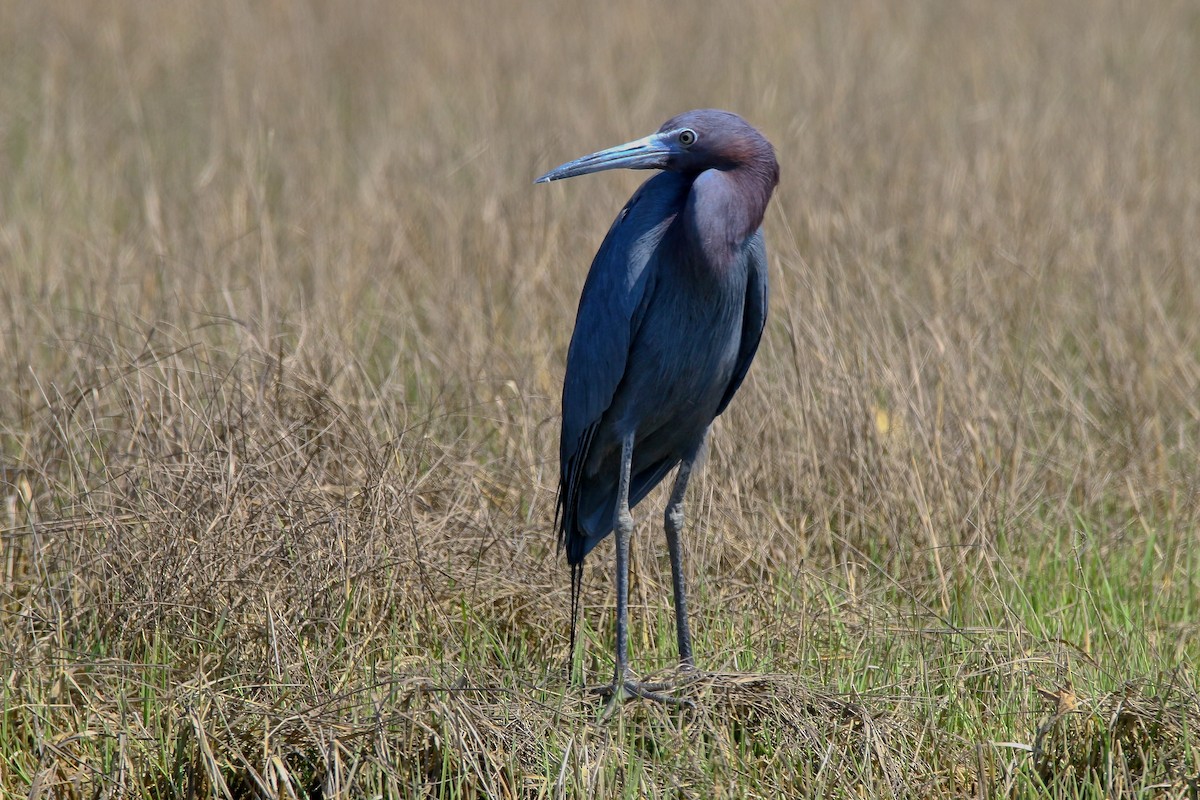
619,694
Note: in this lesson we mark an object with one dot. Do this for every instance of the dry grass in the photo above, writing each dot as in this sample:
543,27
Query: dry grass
282,324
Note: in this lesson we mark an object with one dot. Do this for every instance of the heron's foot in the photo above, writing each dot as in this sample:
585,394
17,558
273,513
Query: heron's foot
619,693
686,673
630,689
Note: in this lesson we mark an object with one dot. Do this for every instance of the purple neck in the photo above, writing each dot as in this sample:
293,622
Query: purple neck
725,208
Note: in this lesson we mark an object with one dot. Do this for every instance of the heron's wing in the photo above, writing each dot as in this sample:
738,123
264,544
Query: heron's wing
754,315
615,294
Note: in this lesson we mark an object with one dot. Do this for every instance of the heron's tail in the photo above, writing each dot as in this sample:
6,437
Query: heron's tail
573,539
576,589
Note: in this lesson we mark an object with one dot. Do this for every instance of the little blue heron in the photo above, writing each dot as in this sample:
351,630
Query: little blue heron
669,320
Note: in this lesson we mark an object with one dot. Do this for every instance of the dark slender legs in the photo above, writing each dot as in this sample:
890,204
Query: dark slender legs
623,685
673,523
623,530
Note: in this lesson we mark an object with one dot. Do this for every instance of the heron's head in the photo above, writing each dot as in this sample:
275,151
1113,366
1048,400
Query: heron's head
689,143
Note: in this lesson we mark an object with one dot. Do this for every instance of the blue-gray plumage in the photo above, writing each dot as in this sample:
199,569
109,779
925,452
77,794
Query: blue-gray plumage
669,320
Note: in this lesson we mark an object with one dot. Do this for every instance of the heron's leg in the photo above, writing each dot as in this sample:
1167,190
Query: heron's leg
624,685
673,522
623,528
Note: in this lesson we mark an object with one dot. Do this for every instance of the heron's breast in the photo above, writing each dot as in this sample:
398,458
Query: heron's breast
683,357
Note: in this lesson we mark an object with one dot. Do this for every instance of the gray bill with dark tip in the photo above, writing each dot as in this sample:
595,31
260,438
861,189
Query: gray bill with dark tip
650,152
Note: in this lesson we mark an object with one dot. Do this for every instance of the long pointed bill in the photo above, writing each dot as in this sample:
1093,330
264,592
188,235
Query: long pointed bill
650,152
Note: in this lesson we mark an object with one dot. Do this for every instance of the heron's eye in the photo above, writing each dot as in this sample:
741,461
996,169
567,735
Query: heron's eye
687,137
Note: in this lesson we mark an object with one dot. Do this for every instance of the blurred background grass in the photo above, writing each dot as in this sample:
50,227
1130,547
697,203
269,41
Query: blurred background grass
282,325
